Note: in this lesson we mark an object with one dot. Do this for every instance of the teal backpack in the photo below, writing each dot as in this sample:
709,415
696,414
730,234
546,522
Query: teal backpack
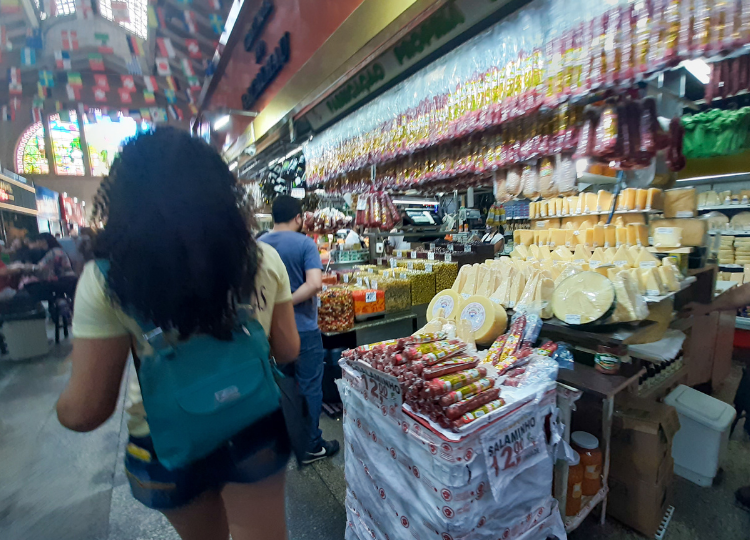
201,392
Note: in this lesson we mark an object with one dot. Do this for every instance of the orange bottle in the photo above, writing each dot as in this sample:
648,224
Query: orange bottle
575,479
587,447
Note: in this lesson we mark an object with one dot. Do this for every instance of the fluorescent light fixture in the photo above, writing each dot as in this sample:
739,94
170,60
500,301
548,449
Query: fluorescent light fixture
75,200
234,11
699,69
222,121
424,203
715,177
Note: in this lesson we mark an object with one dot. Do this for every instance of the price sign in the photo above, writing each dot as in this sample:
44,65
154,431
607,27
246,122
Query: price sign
374,285
346,278
428,267
370,297
379,247
378,387
324,288
432,247
399,253
516,444
431,256
317,300
467,247
410,265
393,263
413,254
448,257
450,247
403,275
361,203
359,282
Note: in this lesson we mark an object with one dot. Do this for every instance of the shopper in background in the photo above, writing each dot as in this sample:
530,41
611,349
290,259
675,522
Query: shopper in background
302,261
177,252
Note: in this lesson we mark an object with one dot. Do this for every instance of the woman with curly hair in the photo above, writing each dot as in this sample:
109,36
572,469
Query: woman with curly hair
177,251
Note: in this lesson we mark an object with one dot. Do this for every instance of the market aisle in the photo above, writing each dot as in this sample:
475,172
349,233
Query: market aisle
60,485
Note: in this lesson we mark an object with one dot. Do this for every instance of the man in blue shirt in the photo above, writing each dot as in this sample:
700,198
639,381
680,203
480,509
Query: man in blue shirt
302,261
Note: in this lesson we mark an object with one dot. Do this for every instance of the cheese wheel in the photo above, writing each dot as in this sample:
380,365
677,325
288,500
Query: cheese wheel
584,298
447,300
487,318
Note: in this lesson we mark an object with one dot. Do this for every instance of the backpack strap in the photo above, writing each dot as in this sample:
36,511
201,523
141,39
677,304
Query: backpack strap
151,333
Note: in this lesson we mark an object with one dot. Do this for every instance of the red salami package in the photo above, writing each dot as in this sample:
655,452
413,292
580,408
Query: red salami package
457,363
444,384
477,413
466,392
457,410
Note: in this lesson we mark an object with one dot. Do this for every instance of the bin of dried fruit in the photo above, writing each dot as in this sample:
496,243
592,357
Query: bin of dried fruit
397,293
365,268
368,303
422,285
336,310
411,264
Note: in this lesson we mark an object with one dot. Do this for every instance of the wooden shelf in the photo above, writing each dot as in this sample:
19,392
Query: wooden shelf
587,505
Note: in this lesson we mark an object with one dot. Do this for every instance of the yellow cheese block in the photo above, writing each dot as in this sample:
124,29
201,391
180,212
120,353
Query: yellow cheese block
637,234
543,237
534,253
646,259
610,236
503,287
635,274
622,235
570,235
654,199
591,203
542,209
668,279
525,237
458,284
597,258
485,281
651,282
573,204
641,198
449,301
581,254
598,235
470,286
520,252
667,237
627,199
566,206
581,204
680,203
559,206
693,229
562,253
488,319
621,258
556,237
609,255
517,284
588,237
544,253
583,298
603,201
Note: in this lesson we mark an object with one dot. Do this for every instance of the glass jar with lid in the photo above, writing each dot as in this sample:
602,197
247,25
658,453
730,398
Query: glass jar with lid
587,447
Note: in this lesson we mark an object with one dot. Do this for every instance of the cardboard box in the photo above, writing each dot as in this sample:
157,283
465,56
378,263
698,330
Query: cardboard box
641,504
642,433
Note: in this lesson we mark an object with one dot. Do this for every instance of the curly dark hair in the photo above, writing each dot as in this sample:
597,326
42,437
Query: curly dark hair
177,234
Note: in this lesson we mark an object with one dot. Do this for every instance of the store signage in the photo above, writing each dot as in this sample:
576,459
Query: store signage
6,192
439,24
278,59
447,23
259,22
378,387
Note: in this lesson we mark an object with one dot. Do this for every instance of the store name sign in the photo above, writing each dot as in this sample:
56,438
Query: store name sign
259,22
6,192
278,59
448,22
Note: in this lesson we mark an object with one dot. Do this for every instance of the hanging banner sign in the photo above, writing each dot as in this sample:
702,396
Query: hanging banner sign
267,73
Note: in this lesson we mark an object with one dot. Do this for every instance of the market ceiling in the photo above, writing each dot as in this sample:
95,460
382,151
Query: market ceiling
126,36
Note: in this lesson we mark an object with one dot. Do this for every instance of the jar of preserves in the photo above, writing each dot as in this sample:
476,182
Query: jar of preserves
587,447
575,480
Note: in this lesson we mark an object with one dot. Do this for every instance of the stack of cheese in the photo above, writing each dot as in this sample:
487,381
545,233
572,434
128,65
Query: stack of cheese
741,249
631,199
726,250
587,233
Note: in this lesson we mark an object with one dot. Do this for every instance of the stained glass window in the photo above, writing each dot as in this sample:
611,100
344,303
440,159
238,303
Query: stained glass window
105,136
65,7
31,157
66,145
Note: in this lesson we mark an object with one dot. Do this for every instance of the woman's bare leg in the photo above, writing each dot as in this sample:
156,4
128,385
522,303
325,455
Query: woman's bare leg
256,511
202,519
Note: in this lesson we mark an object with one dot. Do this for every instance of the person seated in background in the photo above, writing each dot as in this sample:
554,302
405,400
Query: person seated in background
54,264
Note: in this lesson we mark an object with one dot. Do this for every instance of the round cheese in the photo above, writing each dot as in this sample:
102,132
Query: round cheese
449,301
584,298
488,319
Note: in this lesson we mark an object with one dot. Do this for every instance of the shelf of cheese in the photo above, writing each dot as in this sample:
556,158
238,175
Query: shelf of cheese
630,200
724,207
588,234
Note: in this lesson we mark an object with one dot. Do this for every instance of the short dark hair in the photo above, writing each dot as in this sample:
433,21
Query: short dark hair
285,209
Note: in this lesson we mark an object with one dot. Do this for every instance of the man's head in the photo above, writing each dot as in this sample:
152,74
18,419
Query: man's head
287,212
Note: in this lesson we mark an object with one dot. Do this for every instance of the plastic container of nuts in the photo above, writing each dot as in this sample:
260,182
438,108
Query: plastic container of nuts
445,274
397,293
422,285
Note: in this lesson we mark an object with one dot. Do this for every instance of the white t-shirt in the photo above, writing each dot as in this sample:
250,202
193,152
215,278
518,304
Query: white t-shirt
96,317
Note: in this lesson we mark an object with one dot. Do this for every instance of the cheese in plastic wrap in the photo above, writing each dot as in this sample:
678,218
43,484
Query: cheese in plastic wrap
584,298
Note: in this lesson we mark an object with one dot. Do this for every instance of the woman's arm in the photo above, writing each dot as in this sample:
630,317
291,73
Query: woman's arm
732,299
90,397
284,338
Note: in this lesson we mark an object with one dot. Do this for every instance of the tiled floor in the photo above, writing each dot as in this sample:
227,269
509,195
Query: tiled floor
60,485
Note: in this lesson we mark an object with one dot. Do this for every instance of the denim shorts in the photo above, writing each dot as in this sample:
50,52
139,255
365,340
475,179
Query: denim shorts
256,453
